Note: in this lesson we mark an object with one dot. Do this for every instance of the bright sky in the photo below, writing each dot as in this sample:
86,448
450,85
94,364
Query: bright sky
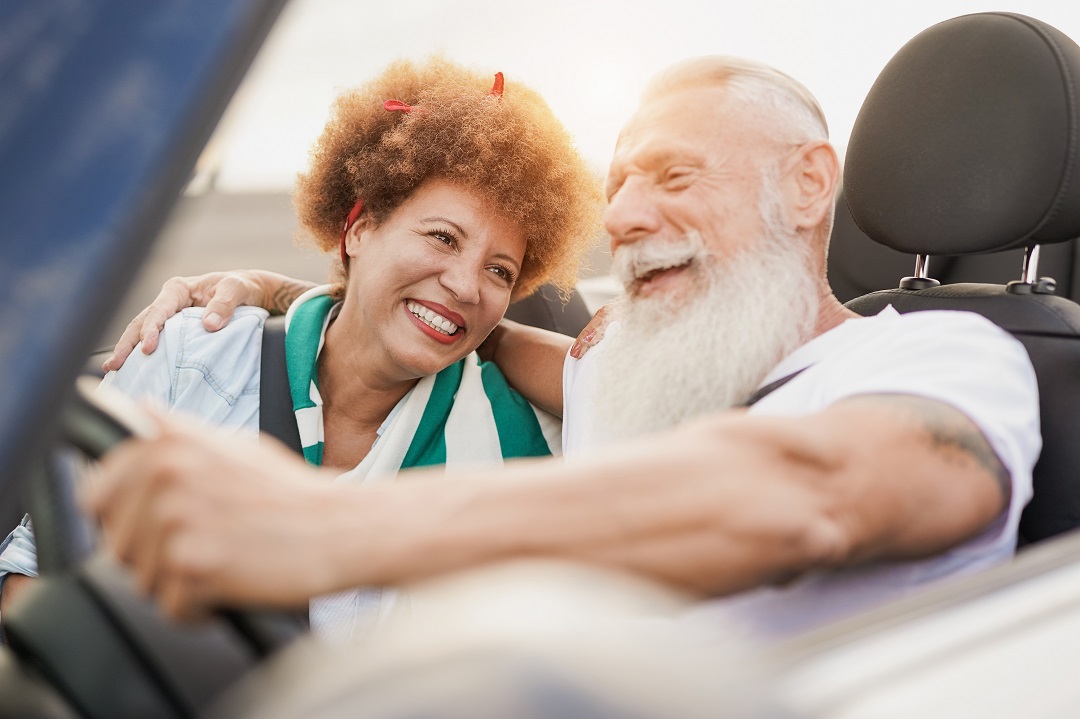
589,58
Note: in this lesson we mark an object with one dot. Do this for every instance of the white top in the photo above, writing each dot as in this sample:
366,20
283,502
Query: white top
959,358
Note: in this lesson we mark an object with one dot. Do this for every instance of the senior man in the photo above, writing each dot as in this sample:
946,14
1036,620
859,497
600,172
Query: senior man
864,465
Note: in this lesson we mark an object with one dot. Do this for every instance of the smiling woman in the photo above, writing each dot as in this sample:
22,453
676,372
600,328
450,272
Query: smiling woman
455,194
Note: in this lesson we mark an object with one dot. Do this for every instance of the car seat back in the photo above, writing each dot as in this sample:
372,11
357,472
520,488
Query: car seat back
968,144
858,266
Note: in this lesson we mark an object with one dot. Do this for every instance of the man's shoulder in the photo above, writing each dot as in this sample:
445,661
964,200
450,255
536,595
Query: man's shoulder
940,333
940,352
949,319
931,320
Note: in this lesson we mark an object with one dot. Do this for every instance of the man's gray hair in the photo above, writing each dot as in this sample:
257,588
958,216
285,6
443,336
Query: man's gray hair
786,101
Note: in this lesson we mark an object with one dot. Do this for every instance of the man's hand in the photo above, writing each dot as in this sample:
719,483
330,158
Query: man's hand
205,521
220,292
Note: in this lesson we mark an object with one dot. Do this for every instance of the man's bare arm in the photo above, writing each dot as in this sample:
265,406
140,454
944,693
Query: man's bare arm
220,292
726,503
529,357
723,504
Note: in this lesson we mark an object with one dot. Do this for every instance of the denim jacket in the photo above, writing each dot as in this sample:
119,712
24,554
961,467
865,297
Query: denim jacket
213,377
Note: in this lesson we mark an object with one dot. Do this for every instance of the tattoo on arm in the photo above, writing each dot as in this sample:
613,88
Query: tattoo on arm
950,431
285,294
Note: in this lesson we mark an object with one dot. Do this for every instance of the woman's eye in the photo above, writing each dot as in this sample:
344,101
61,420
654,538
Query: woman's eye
444,238
505,273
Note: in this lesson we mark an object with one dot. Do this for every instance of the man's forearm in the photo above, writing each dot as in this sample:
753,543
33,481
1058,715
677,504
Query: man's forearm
662,507
280,291
722,504
717,506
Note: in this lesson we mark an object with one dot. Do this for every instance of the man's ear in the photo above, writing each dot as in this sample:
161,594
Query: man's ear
816,173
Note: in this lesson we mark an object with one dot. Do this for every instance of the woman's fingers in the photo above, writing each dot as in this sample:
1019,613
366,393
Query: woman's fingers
593,332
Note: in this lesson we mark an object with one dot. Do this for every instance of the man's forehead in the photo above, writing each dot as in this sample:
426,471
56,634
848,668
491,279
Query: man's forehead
687,121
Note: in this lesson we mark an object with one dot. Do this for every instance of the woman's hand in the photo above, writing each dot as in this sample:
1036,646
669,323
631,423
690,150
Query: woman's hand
220,292
593,332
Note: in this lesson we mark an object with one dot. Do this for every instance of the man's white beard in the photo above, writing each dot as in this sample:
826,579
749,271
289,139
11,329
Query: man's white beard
676,357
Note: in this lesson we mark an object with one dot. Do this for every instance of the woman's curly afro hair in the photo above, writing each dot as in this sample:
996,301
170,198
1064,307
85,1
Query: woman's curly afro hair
510,150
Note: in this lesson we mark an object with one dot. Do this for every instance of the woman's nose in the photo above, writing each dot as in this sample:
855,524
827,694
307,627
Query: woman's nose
462,279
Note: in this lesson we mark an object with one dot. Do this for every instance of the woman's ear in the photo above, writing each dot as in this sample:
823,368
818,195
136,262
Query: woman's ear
356,235
816,174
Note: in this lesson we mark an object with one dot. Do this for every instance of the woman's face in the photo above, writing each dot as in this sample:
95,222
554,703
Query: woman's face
428,284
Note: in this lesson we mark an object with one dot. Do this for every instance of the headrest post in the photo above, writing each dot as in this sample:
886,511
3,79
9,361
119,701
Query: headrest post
922,279
922,266
1031,265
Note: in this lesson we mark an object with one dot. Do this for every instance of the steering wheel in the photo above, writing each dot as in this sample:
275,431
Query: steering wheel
83,626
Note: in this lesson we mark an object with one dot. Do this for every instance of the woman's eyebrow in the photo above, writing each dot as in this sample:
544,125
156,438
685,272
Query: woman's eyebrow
456,226
508,258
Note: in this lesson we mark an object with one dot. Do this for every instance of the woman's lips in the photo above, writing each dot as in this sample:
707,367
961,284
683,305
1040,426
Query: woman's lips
444,311
436,321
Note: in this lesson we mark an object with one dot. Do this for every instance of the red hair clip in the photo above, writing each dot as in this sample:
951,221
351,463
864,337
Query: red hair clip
399,106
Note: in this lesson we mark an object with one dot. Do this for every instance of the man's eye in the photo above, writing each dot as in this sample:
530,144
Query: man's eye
678,179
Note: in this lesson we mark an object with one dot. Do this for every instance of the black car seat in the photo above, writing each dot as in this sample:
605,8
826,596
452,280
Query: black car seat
547,310
858,266
969,143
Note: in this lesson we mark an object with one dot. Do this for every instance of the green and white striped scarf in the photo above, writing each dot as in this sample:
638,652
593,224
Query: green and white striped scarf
465,414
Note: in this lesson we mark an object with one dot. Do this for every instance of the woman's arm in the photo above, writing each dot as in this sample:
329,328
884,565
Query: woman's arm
13,585
531,359
18,563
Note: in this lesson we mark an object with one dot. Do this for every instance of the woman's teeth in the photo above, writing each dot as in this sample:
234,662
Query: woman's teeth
432,319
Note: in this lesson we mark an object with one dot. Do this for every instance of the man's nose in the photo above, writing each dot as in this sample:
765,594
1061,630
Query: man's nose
462,279
631,213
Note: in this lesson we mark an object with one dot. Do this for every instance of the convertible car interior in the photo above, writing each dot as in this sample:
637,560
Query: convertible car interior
968,177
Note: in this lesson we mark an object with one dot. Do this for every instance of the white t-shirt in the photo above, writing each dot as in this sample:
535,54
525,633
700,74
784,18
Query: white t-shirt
959,358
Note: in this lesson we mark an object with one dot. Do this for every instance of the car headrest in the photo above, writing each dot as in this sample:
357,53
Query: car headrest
969,140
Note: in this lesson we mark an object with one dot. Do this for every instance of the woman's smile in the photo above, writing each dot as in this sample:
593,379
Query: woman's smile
436,321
